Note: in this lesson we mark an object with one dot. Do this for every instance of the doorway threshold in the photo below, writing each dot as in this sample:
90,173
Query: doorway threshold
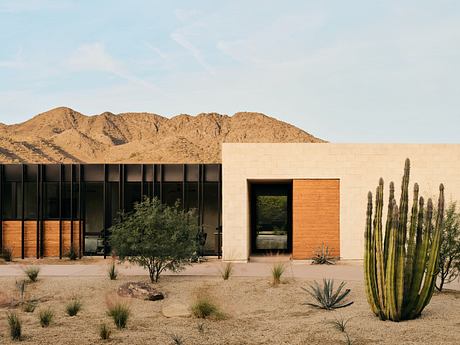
270,257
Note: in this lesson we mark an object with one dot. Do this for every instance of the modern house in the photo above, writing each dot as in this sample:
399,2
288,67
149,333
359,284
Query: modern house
263,198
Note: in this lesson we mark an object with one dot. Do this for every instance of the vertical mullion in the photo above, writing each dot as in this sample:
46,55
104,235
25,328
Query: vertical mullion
22,212
161,183
71,207
80,214
154,179
120,194
183,186
38,212
1,207
219,213
42,195
60,211
104,222
142,182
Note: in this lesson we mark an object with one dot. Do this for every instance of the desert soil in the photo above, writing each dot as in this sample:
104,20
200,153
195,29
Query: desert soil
256,313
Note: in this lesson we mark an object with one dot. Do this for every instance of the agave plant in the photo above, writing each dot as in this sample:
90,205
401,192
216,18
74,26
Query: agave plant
400,266
326,297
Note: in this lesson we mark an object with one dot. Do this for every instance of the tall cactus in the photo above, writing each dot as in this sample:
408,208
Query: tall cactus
400,265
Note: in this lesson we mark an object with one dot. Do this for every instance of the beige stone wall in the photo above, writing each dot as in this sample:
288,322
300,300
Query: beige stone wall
357,166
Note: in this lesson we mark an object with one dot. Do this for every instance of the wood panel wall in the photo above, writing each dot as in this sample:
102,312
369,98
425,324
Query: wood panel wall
12,237
316,217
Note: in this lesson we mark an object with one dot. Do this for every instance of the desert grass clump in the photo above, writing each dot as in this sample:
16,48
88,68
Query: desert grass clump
226,271
112,271
340,323
21,287
15,326
29,306
7,254
73,307
46,316
177,339
72,254
200,327
204,308
32,273
277,272
326,297
323,256
119,312
104,331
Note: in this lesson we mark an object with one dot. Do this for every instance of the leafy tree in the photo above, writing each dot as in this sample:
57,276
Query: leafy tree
449,254
156,236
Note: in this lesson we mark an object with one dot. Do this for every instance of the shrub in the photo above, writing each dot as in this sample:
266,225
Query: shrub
73,307
32,273
156,236
29,306
277,271
15,326
323,256
7,254
104,331
449,252
112,271
204,308
72,254
119,312
200,327
326,297
46,316
226,271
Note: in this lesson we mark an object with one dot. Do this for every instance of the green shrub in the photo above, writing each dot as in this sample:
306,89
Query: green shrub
15,326
277,271
204,308
112,271
46,316
157,237
73,307
326,297
226,271
323,256
29,306
119,312
32,273
7,254
104,331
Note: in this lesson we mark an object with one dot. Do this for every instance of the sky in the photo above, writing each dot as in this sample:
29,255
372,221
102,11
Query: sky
345,71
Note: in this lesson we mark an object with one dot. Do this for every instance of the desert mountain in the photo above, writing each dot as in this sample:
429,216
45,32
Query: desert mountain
64,135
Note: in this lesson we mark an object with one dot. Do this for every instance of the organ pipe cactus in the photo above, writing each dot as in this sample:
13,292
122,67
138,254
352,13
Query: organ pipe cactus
400,265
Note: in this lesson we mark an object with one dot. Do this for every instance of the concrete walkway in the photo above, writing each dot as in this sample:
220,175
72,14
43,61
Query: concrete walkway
343,270
298,269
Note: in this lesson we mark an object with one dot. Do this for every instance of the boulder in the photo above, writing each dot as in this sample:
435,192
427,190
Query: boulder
140,290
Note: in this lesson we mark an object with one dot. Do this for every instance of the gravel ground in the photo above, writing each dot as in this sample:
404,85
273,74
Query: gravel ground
256,313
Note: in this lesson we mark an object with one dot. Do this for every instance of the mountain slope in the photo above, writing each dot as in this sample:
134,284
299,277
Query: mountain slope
64,135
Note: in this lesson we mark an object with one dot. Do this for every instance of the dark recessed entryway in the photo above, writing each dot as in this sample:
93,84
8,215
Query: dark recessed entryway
271,217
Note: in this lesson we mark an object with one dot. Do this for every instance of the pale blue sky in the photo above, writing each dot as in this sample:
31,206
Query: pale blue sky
346,71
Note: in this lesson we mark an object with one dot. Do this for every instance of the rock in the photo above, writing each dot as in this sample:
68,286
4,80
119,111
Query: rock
140,290
175,310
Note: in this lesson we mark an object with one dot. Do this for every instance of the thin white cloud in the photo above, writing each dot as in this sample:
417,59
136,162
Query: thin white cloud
94,57
181,39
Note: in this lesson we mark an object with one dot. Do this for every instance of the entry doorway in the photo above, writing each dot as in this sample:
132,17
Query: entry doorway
271,217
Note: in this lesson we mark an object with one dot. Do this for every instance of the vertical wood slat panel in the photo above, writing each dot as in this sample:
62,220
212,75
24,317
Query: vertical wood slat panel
316,217
12,237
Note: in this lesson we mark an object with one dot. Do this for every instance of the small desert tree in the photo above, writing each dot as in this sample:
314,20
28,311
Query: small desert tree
449,253
156,236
